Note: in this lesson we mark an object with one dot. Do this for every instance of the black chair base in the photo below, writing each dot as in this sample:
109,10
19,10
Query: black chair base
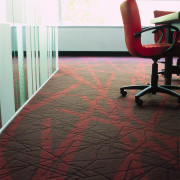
150,89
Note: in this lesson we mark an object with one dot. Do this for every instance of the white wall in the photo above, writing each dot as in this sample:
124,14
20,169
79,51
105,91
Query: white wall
109,38
95,39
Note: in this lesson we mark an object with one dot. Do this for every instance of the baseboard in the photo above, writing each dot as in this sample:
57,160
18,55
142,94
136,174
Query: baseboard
94,53
85,53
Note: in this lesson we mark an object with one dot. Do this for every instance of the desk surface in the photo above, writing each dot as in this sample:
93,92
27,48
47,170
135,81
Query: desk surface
170,18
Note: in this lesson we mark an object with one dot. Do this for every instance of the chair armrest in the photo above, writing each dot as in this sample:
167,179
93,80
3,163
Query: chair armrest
160,27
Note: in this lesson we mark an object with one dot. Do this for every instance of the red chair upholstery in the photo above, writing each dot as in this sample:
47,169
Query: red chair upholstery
132,29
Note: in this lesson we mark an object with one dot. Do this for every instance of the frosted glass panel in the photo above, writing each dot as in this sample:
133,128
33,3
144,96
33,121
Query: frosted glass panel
27,57
22,84
50,44
56,46
33,65
43,46
19,11
37,58
3,11
6,75
0,113
15,67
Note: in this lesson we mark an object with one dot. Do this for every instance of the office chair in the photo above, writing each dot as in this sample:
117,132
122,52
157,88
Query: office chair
132,29
160,37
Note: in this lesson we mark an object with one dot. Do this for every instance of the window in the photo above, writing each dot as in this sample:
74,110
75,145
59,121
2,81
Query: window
90,12
146,9
107,13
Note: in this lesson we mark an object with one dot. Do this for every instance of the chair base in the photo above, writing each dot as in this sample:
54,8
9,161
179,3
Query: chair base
150,89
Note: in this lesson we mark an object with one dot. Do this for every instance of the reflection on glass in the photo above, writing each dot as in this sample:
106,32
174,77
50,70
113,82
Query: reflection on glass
31,69
22,84
15,67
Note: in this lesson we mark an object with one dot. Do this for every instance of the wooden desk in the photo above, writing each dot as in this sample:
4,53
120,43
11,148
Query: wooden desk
174,19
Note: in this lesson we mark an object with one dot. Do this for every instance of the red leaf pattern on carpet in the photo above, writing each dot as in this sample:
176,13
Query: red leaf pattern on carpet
78,126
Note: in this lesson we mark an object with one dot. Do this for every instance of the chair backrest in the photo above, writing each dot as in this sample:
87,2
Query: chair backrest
157,35
132,24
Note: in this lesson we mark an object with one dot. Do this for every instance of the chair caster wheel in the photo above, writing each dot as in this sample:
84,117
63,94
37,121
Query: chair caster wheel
123,92
139,101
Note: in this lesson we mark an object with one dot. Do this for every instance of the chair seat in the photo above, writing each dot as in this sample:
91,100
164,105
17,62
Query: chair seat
157,45
158,48
154,50
160,45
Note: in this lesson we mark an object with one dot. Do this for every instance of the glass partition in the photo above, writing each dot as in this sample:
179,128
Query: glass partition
7,98
29,53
